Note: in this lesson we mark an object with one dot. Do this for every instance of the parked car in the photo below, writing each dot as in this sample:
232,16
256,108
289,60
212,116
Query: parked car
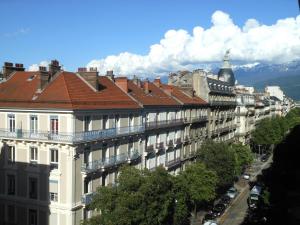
211,222
218,209
246,176
208,216
232,192
225,199
264,158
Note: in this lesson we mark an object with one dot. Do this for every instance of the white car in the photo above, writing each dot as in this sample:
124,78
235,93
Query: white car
210,222
232,192
246,176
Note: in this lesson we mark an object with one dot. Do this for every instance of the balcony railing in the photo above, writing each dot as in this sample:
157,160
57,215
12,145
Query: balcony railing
108,162
195,119
222,103
173,163
87,198
162,124
71,137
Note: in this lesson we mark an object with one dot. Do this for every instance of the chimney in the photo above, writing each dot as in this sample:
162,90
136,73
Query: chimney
168,90
157,81
91,76
146,86
136,81
9,68
110,74
44,78
54,67
122,83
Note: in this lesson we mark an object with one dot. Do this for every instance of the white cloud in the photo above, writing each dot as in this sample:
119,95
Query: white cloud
179,49
35,67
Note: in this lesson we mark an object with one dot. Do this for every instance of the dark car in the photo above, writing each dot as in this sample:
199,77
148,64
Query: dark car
264,158
208,216
218,209
225,199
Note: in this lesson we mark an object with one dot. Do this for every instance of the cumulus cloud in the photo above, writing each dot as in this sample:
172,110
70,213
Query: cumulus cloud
35,67
178,49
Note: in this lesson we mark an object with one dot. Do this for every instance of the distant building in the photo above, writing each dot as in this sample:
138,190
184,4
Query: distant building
275,91
218,91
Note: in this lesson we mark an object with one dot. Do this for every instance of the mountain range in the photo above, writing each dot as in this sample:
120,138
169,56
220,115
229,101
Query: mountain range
259,75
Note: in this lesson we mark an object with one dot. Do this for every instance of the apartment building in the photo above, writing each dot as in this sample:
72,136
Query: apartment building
64,134
218,91
245,114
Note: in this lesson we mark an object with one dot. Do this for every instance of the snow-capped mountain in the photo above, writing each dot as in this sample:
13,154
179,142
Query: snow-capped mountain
251,74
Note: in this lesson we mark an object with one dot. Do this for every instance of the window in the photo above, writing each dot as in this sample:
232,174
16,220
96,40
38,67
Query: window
54,125
11,123
11,154
33,188
32,217
11,185
33,124
87,123
53,158
117,121
33,155
11,214
131,121
53,190
87,156
105,122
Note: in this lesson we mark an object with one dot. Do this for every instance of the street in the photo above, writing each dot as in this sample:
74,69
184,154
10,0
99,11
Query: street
235,214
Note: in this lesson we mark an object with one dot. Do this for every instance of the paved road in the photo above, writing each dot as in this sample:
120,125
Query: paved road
236,213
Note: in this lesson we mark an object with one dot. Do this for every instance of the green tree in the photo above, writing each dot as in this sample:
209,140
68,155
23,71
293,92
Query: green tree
139,198
158,198
243,156
200,184
220,158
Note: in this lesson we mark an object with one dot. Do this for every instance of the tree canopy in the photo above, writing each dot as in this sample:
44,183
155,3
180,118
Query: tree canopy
219,157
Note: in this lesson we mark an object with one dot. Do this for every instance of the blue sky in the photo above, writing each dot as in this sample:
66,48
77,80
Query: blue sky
76,32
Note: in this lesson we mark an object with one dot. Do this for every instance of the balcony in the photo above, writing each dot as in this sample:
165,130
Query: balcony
196,119
222,103
163,124
71,138
173,163
87,198
102,164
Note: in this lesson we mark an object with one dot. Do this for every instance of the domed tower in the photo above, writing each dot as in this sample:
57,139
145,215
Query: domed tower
226,73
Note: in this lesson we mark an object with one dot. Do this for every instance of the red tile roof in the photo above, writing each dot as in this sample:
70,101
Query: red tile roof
179,94
155,97
66,91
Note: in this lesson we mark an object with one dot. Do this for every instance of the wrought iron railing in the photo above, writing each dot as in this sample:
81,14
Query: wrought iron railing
70,137
109,162
164,123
